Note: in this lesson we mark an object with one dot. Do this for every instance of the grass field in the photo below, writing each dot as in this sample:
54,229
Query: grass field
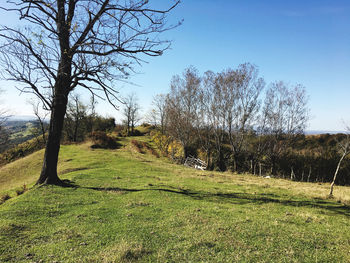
125,206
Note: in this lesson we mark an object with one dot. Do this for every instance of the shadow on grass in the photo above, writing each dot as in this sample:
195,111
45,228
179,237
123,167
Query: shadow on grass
244,198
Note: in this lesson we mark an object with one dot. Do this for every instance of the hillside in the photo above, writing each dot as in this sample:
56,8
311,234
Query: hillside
127,206
19,132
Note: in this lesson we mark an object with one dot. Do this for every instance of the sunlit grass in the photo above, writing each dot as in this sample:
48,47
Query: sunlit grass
127,207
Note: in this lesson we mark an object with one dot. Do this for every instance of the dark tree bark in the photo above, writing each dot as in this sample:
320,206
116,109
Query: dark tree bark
49,170
59,104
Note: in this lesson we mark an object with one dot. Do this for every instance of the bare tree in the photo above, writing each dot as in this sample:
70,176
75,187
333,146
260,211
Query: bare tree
203,123
215,107
344,150
182,107
285,114
92,114
77,43
243,91
75,120
131,113
40,117
158,112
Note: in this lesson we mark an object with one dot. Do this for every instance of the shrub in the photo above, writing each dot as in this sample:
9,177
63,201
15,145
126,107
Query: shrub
136,133
21,190
104,124
101,139
162,142
176,151
4,197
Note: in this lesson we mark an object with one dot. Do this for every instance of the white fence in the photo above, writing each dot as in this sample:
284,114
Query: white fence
195,163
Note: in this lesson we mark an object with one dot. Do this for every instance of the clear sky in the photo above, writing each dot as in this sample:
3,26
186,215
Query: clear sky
306,42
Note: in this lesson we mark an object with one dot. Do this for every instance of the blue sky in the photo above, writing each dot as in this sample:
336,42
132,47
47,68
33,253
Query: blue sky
305,42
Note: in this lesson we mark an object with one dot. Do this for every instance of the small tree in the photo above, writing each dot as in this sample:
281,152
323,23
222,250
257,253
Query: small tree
158,112
75,120
131,113
344,150
91,118
40,117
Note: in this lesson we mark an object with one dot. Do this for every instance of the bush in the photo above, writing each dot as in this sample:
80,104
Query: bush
161,141
21,190
100,139
136,133
176,151
104,124
4,197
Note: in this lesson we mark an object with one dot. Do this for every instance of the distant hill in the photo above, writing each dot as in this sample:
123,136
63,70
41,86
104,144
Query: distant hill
21,118
315,132
20,130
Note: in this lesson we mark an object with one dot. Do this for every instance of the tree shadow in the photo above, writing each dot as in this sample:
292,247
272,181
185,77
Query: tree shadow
243,198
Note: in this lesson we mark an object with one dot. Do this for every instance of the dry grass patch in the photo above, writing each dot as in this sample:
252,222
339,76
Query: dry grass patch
125,251
137,204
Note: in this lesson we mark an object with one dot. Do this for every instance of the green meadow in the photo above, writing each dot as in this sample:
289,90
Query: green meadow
125,206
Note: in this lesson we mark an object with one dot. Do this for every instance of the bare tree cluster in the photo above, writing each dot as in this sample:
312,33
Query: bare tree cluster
75,119
225,116
131,113
157,115
71,44
81,120
182,107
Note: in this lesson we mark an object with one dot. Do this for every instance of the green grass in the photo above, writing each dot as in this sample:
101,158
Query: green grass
131,207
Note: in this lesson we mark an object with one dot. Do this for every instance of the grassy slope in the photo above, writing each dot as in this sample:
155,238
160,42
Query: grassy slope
133,207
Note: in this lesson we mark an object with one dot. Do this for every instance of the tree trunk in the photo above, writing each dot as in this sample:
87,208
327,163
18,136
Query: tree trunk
292,175
302,175
59,104
208,158
49,170
234,165
335,173
259,168
76,126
